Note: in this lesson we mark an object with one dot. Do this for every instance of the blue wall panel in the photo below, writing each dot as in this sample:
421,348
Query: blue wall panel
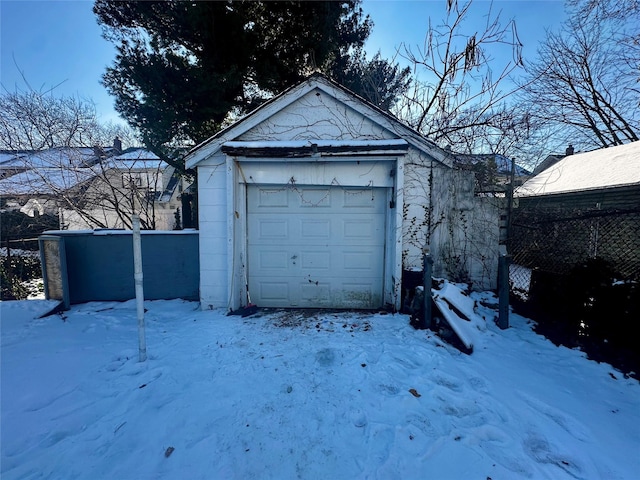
100,265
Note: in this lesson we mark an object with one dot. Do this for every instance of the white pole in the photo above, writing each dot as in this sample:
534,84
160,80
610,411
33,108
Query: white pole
137,262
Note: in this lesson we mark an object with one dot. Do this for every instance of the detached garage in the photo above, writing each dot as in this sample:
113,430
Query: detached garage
304,203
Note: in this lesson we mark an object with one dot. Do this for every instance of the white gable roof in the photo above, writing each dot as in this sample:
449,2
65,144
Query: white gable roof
599,169
386,121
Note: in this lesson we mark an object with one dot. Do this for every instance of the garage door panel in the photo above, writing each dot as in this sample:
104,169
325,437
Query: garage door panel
368,230
315,261
306,262
305,293
314,201
363,261
312,229
357,293
325,249
268,228
308,198
270,197
273,292
315,295
270,259
315,291
305,230
363,198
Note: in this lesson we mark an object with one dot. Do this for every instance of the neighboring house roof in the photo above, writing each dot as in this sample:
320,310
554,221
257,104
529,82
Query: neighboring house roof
136,159
315,82
7,158
69,157
599,169
52,171
503,164
10,163
547,162
45,181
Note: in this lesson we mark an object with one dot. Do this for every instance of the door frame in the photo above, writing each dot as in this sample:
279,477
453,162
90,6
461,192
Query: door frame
349,171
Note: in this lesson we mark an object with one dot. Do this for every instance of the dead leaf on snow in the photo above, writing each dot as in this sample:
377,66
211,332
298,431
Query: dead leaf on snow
168,452
414,392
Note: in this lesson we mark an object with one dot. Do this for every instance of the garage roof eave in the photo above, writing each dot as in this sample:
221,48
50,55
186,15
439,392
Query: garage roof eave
307,148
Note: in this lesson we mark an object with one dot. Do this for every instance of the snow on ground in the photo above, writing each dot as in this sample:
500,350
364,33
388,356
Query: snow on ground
289,395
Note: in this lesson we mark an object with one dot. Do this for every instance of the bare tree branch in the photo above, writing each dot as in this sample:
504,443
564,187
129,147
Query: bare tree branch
584,81
457,100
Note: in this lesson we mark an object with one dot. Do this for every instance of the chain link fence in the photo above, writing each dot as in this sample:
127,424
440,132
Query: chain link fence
559,240
576,271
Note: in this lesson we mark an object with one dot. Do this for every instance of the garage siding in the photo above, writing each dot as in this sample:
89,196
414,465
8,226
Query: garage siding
212,209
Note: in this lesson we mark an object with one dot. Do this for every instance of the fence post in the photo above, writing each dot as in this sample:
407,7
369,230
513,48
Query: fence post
138,282
8,269
428,269
503,287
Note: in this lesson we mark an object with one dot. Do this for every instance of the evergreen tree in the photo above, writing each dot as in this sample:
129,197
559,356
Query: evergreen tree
182,68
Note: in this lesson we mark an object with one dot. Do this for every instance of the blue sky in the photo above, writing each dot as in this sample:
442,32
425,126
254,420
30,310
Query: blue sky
55,42
59,43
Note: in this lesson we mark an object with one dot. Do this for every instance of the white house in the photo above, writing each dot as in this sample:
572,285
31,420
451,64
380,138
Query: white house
319,199
92,187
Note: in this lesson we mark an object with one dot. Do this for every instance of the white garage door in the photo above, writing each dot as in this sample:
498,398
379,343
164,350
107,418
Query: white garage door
316,246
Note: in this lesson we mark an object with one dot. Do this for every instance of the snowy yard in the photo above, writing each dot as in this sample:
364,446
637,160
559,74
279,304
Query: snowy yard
282,396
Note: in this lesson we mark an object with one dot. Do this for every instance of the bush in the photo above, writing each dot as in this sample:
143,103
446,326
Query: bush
17,274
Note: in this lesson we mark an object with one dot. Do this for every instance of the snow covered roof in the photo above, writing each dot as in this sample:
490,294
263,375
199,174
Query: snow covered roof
140,164
51,171
599,169
45,181
137,154
52,157
7,159
136,159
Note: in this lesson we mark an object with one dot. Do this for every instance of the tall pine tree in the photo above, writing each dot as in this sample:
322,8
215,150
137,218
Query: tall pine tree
183,67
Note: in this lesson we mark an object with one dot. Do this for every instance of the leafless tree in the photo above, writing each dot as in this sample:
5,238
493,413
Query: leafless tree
36,120
584,84
623,12
458,98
